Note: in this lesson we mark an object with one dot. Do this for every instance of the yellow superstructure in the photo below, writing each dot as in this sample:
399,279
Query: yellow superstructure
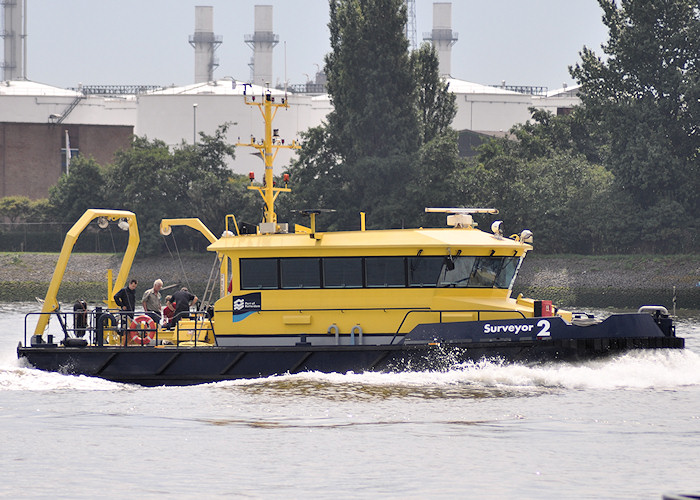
314,307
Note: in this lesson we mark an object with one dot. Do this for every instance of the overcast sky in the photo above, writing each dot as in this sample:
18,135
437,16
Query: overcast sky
524,42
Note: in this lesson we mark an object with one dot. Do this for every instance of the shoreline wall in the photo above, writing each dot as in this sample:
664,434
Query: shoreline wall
622,281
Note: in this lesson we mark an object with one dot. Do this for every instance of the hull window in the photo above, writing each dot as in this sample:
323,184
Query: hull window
386,271
425,271
259,274
342,272
378,272
301,272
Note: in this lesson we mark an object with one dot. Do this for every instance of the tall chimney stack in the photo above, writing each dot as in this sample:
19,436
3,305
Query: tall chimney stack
442,36
205,44
262,42
14,31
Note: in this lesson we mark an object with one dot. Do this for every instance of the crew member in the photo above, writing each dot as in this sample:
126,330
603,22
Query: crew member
168,310
80,317
126,298
182,300
151,301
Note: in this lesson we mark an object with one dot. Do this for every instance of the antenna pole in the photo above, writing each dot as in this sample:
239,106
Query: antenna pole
285,70
268,149
268,190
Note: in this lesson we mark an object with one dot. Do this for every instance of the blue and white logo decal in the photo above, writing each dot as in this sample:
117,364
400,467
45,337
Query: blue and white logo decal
245,305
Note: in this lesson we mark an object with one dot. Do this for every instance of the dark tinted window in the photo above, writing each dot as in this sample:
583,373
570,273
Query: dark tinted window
342,272
425,271
346,272
300,273
385,271
258,274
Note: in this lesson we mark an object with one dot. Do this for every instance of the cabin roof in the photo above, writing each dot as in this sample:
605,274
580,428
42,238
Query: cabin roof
376,239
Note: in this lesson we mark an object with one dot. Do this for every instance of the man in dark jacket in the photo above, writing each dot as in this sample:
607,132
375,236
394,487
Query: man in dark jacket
126,298
181,299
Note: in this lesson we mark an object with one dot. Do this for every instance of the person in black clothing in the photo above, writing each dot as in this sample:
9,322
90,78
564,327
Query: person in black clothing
181,300
126,298
80,318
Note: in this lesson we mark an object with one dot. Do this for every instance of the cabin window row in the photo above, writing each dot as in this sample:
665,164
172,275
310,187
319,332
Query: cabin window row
377,272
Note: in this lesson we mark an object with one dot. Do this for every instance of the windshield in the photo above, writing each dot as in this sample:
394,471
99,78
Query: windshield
462,272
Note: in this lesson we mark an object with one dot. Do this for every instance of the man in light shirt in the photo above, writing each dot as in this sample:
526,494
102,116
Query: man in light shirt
151,301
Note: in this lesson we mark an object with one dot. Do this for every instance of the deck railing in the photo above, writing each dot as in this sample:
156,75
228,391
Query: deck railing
99,327
111,327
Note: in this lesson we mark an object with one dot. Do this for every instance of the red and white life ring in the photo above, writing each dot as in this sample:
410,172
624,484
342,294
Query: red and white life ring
142,330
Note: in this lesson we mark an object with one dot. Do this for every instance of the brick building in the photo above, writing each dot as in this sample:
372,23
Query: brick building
33,155
34,119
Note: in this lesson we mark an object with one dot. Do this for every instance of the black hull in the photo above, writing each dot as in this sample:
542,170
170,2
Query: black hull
151,366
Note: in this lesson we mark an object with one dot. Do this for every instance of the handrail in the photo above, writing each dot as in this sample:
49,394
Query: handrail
197,314
69,108
201,317
94,328
440,311
410,310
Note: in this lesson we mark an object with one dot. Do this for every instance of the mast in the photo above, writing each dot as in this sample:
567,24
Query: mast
268,149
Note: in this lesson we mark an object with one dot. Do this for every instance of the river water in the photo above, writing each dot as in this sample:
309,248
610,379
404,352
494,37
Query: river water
627,427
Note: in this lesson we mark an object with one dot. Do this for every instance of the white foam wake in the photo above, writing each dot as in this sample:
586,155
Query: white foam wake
658,370
634,370
23,378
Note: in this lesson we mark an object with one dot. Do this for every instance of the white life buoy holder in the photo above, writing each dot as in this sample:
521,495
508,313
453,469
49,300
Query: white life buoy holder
140,334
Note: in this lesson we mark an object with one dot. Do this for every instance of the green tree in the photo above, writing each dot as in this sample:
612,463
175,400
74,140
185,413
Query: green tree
436,104
84,187
561,197
190,181
546,134
41,211
644,95
369,80
437,180
144,180
317,176
544,177
15,208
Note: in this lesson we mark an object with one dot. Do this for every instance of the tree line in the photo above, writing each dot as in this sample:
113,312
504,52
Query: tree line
619,174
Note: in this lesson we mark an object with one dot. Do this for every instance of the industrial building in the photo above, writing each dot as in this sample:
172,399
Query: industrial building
39,124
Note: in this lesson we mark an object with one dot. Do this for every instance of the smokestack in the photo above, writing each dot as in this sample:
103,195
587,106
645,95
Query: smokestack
14,31
205,44
442,36
262,42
